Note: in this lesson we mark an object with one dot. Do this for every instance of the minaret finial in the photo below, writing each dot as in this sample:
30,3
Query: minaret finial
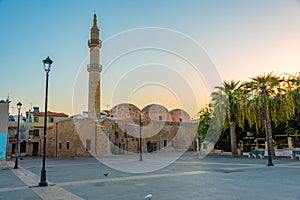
95,20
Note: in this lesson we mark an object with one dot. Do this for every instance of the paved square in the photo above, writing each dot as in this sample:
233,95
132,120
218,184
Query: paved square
189,177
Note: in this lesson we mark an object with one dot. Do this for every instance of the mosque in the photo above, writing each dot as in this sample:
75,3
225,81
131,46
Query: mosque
124,129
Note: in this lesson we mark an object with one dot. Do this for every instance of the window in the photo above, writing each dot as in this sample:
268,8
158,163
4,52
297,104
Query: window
88,145
36,119
60,146
36,132
165,143
50,119
159,117
68,145
116,136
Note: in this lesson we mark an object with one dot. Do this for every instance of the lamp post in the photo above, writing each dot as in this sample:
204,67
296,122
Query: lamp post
140,143
263,87
19,105
47,66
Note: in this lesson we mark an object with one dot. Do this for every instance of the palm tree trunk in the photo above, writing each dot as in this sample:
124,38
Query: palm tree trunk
272,149
233,139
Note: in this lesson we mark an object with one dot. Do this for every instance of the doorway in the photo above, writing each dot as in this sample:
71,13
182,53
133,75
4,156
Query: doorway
35,149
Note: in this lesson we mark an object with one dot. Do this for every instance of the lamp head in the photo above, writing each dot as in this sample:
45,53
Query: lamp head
47,64
19,105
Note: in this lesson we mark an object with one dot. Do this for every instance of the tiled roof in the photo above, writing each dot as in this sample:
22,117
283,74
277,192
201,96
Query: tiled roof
49,113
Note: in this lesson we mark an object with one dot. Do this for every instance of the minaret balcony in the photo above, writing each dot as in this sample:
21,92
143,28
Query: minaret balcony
95,42
94,67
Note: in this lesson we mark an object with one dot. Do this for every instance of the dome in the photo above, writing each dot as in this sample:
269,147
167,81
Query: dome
179,115
155,112
126,111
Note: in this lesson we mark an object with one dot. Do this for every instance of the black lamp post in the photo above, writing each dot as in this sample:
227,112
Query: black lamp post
141,156
263,87
47,66
19,105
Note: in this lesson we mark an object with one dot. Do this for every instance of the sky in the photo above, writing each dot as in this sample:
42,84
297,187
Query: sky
240,38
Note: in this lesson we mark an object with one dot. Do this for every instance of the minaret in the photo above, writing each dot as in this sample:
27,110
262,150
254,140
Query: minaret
94,69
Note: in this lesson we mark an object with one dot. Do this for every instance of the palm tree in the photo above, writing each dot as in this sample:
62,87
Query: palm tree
292,87
279,107
231,92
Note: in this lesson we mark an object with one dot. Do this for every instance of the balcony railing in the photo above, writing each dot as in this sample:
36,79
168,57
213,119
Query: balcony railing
94,41
96,67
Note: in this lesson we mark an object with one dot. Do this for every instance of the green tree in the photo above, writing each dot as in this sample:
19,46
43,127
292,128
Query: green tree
292,132
279,106
212,119
204,120
230,93
292,87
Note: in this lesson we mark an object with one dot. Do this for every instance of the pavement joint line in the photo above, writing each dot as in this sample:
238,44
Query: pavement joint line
132,178
13,189
285,166
219,163
47,193
61,165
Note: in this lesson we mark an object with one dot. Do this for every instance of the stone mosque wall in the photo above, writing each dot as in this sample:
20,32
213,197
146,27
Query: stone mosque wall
119,132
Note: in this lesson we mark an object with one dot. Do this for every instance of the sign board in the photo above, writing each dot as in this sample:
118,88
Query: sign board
3,142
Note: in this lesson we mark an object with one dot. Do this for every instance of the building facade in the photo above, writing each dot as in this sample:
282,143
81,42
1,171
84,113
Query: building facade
12,136
120,130
4,107
35,124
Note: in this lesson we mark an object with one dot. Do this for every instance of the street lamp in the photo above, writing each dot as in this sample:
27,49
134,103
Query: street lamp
141,156
19,105
47,66
263,87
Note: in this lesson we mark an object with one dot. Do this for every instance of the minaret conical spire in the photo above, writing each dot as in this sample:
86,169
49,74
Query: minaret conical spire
95,20
95,38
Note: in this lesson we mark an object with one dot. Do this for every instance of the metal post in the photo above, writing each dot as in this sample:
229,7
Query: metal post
141,156
18,130
43,181
47,65
266,125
